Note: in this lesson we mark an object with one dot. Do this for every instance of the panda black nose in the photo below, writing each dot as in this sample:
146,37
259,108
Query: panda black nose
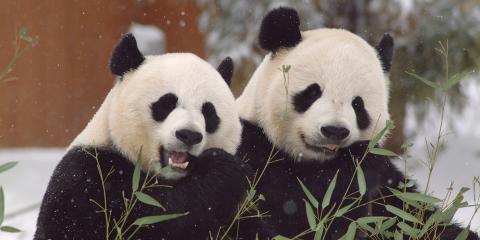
335,133
189,137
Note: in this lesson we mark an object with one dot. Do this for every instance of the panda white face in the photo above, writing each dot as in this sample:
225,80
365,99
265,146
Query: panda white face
174,106
171,106
336,94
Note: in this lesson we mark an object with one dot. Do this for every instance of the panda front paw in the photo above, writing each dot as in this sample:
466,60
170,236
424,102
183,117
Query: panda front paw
216,154
217,160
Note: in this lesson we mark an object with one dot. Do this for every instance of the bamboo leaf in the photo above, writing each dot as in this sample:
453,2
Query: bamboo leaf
251,194
407,229
448,214
434,218
454,80
280,237
136,172
4,167
389,124
352,229
387,224
371,219
420,197
387,234
318,235
364,221
362,186
156,167
398,235
309,195
320,229
164,170
464,234
9,229
402,214
261,197
459,196
383,152
378,226
310,216
413,203
425,81
144,198
328,193
343,210
157,219
366,227
2,206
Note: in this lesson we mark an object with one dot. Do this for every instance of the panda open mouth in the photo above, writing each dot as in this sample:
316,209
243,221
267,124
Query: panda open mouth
176,160
329,149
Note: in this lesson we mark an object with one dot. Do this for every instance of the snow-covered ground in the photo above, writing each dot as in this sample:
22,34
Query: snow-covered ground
459,162
24,186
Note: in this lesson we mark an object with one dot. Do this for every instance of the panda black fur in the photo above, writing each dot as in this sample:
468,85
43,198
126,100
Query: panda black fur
197,144
337,100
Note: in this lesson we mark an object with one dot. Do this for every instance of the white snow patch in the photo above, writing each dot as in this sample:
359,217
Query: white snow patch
459,162
24,186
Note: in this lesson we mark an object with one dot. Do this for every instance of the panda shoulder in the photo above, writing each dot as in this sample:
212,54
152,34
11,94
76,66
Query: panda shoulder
80,164
80,157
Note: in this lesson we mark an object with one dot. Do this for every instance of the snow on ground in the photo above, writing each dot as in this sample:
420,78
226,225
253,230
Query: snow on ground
459,163
460,160
24,186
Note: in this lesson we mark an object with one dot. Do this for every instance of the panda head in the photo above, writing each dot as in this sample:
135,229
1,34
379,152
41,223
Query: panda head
172,106
334,94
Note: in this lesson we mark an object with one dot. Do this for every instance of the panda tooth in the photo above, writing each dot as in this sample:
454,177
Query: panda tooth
180,165
184,165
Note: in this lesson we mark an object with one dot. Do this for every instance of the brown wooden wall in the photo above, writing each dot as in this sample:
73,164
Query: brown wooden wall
61,82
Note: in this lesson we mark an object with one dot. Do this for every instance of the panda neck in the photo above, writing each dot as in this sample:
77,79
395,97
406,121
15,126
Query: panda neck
250,102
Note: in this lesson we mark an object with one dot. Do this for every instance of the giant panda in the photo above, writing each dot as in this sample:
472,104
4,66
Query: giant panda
173,109
312,120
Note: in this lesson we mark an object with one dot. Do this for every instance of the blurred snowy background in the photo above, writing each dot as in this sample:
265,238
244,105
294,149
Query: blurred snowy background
58,84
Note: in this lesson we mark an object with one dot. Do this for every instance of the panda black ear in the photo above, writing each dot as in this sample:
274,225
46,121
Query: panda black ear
226,70
385,51
126,56
280,28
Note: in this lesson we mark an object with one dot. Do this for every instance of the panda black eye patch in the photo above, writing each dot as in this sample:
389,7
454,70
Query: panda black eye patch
211,118
163,106
363,119
304,99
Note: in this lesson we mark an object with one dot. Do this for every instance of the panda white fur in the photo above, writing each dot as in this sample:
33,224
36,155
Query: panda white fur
337,100
180,112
